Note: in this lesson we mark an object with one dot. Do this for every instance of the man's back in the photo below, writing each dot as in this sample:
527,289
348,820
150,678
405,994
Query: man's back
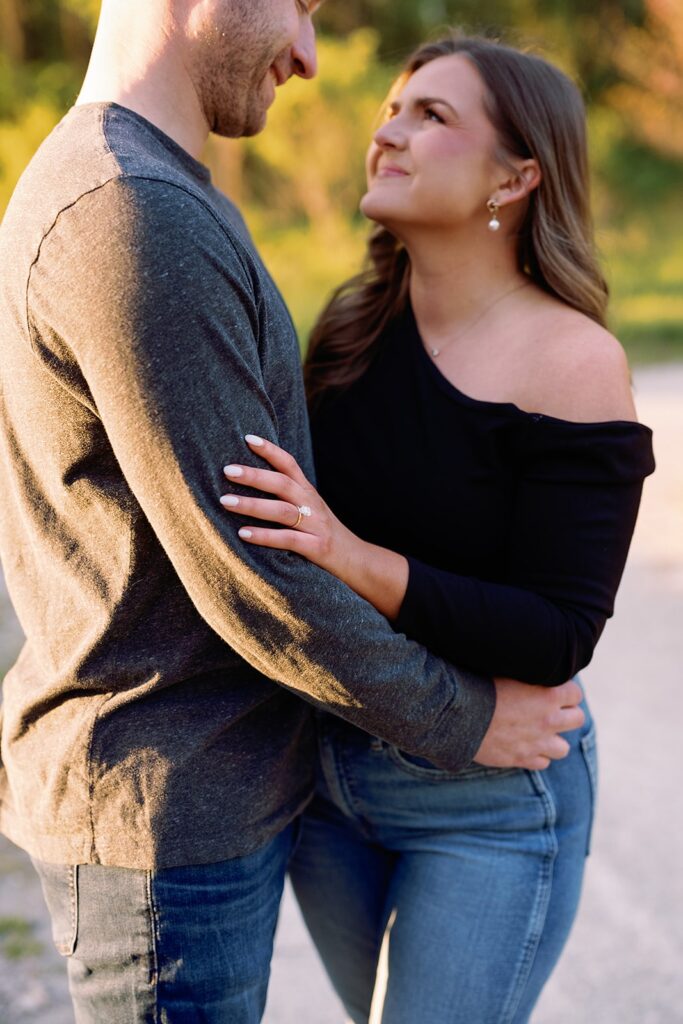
133,733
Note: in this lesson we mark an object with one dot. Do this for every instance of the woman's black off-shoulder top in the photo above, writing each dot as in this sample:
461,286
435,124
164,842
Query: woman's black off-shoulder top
516,525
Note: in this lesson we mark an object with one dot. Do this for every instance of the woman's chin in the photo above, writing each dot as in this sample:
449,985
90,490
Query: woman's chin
372,207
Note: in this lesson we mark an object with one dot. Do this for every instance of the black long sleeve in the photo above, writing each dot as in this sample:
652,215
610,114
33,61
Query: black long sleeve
516,526
571,523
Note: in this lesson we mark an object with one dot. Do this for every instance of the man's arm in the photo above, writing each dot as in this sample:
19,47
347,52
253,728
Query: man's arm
160,314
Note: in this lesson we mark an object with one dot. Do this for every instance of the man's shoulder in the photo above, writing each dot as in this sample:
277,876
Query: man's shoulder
109,160
110,208
107,179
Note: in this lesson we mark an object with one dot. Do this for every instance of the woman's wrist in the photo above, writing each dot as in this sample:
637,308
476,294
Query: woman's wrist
378,575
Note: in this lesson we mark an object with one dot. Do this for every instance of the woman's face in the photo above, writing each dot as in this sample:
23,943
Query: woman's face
432,163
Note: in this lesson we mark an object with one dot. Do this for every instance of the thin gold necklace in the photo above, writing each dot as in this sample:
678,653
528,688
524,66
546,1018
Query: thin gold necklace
437,351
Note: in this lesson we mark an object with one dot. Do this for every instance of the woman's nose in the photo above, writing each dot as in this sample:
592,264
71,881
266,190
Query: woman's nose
390,135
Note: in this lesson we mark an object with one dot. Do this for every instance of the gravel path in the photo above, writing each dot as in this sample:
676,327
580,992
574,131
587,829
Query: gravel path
623,962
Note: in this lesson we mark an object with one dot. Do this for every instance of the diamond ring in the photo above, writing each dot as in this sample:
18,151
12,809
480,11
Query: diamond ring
304,513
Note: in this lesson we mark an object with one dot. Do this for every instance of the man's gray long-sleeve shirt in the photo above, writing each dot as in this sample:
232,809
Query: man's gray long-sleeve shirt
154,716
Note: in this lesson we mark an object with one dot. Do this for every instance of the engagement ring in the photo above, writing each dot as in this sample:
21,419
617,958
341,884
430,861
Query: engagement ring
304,512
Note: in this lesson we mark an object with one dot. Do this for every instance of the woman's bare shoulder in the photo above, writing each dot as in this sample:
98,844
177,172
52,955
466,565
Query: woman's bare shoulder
577,370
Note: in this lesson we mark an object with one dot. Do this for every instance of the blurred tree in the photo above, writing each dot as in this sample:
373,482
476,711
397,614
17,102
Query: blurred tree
403,24
309,164
585,34
300,182
44,30
589,32
304,176
88,11
650,59
12,30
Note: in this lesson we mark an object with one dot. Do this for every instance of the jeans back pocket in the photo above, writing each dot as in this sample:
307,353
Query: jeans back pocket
60,889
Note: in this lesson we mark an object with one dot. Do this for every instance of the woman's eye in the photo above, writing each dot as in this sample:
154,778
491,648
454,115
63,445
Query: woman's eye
432,115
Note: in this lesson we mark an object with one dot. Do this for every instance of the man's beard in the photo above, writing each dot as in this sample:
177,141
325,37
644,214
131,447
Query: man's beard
239,106
233,78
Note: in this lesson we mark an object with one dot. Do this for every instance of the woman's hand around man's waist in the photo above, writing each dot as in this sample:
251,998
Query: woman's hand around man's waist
525,731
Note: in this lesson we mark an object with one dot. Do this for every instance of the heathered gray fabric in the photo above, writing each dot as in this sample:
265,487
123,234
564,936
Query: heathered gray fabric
152,718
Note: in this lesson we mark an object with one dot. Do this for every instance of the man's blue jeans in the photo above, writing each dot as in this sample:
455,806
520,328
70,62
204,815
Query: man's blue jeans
462,887
178,946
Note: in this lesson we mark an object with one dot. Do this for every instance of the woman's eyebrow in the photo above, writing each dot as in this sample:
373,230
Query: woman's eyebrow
428,101
421,102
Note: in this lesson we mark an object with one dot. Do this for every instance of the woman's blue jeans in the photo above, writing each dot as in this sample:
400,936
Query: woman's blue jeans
461,887
188,945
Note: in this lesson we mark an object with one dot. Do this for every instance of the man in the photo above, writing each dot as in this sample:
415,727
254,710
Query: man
156,749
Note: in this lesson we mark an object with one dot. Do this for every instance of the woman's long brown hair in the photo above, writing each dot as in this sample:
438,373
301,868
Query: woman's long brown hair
537,112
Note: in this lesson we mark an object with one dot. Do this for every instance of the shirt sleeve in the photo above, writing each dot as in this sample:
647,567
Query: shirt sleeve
571,525
158,326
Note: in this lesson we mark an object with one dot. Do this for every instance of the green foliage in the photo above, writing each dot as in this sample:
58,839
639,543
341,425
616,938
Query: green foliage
643,255
582,34
18,142
402,24
305,175
299,183
311,158
88,11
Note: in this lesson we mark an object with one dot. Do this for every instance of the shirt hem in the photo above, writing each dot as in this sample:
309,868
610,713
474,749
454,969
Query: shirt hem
60,848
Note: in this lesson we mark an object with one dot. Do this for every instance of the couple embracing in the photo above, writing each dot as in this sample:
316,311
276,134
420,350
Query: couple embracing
232,670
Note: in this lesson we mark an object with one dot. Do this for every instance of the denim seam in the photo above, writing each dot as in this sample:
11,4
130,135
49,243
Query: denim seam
73,896
339,782
346,782
543,892
153,945
330,770
65,941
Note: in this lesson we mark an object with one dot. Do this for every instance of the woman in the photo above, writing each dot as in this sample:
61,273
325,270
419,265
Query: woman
481,468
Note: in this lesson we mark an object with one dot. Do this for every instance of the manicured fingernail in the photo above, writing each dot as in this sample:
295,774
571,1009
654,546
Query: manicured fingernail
230,501
257,442
233,471
246,534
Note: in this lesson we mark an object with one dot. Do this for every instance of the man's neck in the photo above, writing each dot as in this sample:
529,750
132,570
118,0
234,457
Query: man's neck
145,72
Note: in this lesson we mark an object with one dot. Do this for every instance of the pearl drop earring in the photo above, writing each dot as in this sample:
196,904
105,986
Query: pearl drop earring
493,208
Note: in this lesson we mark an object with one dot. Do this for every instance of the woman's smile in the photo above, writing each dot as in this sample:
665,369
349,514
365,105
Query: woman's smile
392,171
